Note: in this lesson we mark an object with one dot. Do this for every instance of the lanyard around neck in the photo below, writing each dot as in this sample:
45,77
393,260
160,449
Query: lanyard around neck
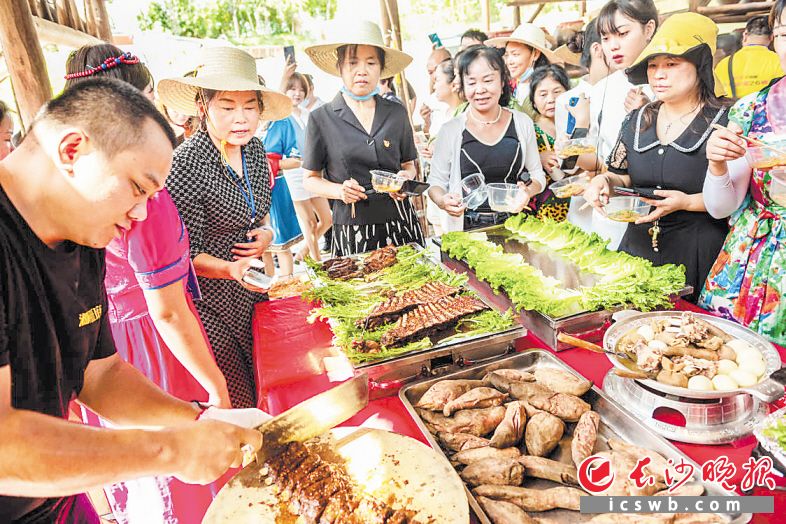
245,189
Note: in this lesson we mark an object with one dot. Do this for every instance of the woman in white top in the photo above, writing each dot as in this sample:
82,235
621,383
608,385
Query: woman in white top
487,138
625,27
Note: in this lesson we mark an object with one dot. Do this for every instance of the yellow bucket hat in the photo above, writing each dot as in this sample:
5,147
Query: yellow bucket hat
688,35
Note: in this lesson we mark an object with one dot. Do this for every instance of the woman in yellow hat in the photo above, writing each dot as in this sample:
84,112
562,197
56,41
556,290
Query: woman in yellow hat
661,150
747,282
525,49
220,183
355,133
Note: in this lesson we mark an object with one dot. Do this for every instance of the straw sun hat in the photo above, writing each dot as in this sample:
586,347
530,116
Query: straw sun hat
527,34
325,56
222,69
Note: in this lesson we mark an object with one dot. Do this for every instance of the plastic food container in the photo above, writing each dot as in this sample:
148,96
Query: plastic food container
626,209
577,146
506,198
473,191
777,189
570,186
769,434
766,158
385,181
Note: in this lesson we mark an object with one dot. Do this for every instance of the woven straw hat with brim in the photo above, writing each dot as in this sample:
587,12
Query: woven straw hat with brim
222,69
527,34
341,33
566,56
688,35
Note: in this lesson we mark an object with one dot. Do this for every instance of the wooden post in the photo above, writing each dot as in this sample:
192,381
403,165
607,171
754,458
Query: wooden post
63,15
516,16
75,16
44,11
33,7
101,17
90,19
536,13
485,6
24,58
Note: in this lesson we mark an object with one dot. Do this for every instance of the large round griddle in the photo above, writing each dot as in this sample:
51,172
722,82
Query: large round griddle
382,463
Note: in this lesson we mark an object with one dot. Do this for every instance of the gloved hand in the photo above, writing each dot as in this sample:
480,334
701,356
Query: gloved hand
247,418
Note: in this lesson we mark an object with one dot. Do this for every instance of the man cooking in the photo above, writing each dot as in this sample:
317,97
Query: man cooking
92,158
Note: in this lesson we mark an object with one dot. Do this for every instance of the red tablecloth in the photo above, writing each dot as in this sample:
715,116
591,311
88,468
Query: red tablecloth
289,369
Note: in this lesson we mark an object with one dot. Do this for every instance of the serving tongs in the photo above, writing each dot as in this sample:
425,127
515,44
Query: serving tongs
637,373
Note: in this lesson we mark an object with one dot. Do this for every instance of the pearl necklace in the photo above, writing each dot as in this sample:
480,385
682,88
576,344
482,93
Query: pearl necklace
483,122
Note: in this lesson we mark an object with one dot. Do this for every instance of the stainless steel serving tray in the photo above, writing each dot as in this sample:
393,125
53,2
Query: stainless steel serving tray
615,422
588,325
389,374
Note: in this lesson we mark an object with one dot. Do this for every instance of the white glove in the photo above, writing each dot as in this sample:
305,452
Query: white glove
248,418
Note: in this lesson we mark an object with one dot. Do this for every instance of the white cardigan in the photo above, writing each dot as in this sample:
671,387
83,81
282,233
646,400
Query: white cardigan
446,164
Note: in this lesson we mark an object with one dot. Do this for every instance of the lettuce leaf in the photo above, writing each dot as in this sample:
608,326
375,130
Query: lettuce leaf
622,279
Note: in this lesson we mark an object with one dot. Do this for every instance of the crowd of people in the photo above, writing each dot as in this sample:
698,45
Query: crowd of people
132,214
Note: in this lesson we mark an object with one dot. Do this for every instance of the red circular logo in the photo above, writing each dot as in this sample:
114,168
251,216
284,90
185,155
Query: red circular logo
595,474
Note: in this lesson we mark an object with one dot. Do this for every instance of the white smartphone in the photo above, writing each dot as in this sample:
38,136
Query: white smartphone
257,277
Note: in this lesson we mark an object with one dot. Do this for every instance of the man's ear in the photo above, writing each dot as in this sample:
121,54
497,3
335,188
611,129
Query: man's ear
73,143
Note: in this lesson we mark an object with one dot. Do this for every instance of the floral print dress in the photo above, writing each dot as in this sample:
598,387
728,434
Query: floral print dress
747,282
546,204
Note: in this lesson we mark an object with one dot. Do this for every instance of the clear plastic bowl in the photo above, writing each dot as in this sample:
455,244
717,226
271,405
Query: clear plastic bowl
570,186
765,158
577,146
777,189
473,190
626,209
385,181
506,198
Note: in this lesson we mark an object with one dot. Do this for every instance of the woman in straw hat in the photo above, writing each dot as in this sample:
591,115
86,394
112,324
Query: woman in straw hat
221,185
358,132
661,148
525,49
488,138
747,282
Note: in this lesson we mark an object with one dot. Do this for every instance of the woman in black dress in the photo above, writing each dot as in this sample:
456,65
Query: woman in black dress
661,147
356,132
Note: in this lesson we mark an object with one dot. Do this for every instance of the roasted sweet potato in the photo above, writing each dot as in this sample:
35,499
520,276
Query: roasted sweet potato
470,456
542,434
567,407
534,499
584,436
478,422
561,381
444,391
494,471
543,468
482,397
501,512
461,441
511,430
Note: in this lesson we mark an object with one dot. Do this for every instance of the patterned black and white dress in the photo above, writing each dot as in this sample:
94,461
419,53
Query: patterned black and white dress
217,217
337,143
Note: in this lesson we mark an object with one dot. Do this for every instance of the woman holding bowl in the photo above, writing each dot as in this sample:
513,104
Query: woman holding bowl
747,284
488,138
661,148
355,133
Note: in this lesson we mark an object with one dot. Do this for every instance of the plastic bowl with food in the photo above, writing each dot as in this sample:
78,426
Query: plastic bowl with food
777,189
766,158
385,181
473,190
570,186
506,198
576,146
626,209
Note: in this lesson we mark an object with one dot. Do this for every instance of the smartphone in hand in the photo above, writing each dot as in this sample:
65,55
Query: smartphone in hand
640,192
289,54
435,40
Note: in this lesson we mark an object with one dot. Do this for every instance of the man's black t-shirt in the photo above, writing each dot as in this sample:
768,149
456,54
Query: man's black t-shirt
52,323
